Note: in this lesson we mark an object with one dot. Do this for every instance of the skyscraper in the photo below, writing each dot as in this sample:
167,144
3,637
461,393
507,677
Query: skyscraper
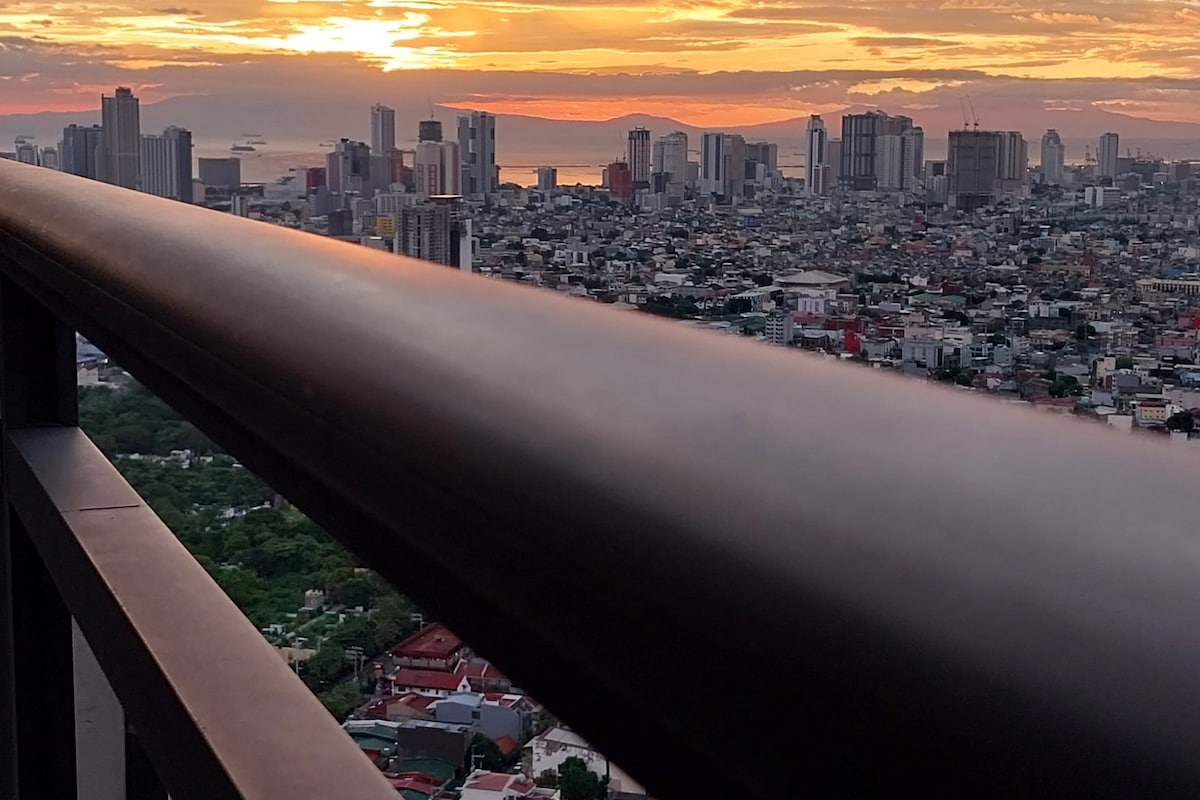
80,148
735,166
765,153
547,179
429,130
477,146
861,166
159,160
221,174
833,158
27,154
183,155
913,158
859,134
973,166
437,230
348,168
889,162
173,164
620,180
437,169
1053,157
1108,153
380,173
383,129
121,122
639,157
815,153
886,151
50,158
1014,160
712,163
670,157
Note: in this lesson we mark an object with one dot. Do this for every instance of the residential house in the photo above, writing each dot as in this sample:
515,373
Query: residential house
547,752
428,682
496,718
433,647
412,738
482,785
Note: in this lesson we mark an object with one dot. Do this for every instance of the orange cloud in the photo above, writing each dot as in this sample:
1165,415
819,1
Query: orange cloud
1002,39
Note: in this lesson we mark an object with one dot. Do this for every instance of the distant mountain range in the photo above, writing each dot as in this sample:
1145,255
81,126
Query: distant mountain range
296,132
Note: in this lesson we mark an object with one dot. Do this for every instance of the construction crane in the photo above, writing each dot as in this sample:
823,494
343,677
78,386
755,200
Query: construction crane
974,116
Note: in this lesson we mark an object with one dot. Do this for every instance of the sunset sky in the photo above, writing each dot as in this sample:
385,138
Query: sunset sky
701,61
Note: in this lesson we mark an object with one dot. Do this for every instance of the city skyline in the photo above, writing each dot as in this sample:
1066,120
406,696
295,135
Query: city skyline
875,151
582,61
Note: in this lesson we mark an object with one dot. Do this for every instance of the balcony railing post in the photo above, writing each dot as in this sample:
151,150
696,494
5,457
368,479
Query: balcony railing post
37,697
99,728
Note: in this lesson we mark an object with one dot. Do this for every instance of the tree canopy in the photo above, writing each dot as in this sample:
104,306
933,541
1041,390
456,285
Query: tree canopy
1182,422
577,782
263,554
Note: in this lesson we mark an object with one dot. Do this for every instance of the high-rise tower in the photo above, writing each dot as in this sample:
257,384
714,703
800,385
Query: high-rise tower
670,157
477,148
122,138
437,169
973,166
1108,153
815,153
81,146
1053,157
639,157
383,129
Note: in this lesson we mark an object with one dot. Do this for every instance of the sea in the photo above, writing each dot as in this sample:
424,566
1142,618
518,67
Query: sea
519,162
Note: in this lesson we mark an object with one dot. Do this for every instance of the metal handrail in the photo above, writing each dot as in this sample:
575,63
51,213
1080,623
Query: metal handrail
216,708
733,568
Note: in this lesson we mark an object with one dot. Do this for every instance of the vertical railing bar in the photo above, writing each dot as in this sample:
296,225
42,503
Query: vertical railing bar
8,693
141,779
43,657
99,728
37,697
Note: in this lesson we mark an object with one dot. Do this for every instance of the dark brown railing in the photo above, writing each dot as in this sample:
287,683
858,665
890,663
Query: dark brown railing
737,571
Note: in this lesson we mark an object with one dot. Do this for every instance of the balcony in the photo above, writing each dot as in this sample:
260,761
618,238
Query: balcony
738,571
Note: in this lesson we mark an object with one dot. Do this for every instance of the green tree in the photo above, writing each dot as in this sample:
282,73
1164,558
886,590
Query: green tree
1183,421
322,668
357,631
358,589
577,782
1065,385
393,621
1124,362
340,701
134,439
489,755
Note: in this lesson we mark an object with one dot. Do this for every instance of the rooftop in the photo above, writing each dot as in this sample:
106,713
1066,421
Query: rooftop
812,277
499,782
432,641
428,679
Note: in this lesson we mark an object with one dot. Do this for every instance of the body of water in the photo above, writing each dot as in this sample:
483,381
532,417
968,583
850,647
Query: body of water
518,163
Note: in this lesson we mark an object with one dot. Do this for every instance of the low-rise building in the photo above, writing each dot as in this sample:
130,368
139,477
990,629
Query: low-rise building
433,647
547,752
